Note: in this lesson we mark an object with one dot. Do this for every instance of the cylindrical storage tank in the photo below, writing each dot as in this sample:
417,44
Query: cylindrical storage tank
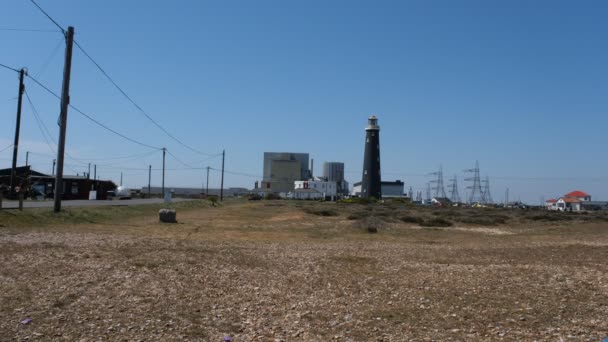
333,171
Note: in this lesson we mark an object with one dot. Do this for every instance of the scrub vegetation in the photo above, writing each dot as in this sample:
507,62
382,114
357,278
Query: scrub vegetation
303,271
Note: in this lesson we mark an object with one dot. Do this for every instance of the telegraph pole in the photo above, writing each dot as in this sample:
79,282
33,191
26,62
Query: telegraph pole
17,129
95,172
222,185
63,118
149,179
163,186
89,173
207,189
121,179
27,158
53,170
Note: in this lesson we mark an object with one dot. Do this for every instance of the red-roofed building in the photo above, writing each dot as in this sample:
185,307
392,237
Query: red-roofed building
551,204
568,204
572,201
581,195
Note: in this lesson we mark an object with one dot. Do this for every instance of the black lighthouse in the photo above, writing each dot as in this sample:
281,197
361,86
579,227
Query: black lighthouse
370,184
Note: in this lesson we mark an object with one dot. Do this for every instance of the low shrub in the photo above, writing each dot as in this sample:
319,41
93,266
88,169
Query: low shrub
553,217
358,200
371,224
484,220
436,222
321,212
412,219
271,196
357,216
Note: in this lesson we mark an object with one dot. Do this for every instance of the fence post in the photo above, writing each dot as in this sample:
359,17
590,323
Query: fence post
20,201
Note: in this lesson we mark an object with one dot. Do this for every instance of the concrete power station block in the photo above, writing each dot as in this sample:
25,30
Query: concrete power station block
167,216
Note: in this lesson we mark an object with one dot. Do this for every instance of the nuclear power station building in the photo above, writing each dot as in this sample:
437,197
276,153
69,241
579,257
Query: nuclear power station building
370,182
282,169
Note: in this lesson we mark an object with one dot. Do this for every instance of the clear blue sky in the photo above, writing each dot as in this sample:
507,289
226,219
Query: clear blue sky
521,86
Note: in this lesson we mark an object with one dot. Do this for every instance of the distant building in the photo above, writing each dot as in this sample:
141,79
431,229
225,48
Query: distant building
580,195
314,189
194,192
39,185
334,172
574,201
568,204
594,205
282,169
389,189
551,204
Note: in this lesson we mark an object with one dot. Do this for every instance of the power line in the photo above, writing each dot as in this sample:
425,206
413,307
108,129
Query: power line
6,148
178,160
133,157
50,58
135,104
40,124
82,161
9,68
94,120
119,88
48,16
26,30
237,173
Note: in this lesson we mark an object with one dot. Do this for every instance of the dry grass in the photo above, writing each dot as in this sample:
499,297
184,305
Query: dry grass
284,270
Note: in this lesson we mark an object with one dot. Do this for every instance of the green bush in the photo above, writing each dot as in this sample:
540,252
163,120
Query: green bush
272,196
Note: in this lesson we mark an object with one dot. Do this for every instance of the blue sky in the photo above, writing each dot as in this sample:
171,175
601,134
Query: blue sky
520,86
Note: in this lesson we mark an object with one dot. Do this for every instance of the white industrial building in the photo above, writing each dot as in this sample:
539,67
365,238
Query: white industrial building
314,189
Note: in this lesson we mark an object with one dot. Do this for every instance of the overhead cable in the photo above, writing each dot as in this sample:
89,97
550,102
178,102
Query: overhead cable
94,120
43,130
237,173
9,68
48,16
178,160
26,30
135,104
120,89
6,148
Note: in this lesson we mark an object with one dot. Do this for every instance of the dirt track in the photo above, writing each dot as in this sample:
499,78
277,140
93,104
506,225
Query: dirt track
260,272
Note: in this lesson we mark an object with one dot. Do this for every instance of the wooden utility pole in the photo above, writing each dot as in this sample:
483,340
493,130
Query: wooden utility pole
63,117
207,187
53,169
149,180
163,186
222,185
95,172
17,129
89,173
